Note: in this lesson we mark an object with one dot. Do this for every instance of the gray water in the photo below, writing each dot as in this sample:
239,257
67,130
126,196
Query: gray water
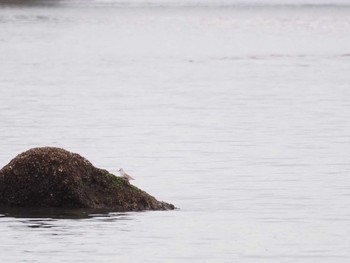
235,111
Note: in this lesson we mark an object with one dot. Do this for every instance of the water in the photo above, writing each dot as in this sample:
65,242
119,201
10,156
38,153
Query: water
235,111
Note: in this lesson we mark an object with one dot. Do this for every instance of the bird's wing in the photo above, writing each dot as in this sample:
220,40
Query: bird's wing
128,176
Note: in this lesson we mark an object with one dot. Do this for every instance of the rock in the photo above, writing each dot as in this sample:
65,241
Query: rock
53,177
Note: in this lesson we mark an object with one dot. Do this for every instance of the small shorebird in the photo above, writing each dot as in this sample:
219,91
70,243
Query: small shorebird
125,175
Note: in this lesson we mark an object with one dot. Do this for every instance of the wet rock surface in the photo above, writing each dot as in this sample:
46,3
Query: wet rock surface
56,178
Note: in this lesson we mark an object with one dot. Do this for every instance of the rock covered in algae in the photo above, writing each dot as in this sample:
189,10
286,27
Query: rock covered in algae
54,177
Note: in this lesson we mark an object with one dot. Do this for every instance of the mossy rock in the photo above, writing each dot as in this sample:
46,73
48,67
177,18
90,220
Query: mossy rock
56,178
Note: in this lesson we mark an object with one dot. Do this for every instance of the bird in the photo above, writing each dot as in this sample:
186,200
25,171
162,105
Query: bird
125,175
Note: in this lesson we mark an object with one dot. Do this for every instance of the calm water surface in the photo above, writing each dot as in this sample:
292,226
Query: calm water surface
236,113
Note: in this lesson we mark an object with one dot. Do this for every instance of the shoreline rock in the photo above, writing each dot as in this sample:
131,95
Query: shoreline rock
50,177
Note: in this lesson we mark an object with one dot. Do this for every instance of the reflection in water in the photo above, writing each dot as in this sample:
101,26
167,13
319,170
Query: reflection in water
57,213
38,223
56,217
